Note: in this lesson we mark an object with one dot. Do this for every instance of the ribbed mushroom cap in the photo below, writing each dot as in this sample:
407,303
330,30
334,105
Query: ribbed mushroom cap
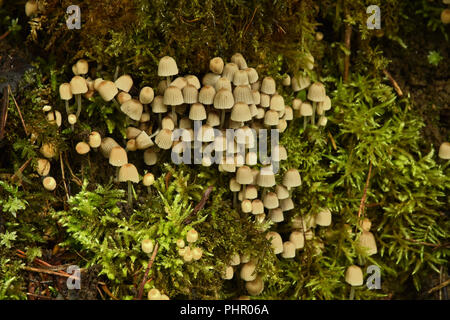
228,164
306,109
48,150
82,148
124,82
133,109
128,172
298,239
255,287
216,65
260,114
205,134
241,112
223,99
251,192
118,156
279,153
123,97
288,250
150,157
444,151
257,206
286,80
146,95
264,100
206,95
276,241
239,60
367,242
282,192
354,276
325,105
243,93
288,113
164,139
251,158
65,92
158,105
268,85
234,185
270,200
316,92
78,85
240,78
223,83
187,135
276,215
193,80
210,79
185,123
246,206
271,118
277,103
190,94
248,271
179,82
43,167
365,224
213,119
252,75
107,90
107,145
266,177
244,175
292,178
286,204
197,112
49,183
256,97
145,117
220,143
303,82
229,70
167,67
132,132
173,96
143,141
162,86
228,273
323,217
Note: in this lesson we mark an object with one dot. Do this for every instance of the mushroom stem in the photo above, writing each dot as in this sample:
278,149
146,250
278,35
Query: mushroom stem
67,107
149,190
116,74
116,179
235,200
222,118
78,98
313,117
304,123
130,195
352,293
159,120
244,189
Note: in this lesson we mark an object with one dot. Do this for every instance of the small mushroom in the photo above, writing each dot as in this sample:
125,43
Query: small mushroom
128,173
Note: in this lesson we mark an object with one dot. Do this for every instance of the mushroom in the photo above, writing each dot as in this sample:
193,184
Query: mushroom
288,250
148,181
173,97
235,187
147,246
444,151
197,253
276,215
117,158
192,236
239,60
95,140
229,70
82,148
354,277
43,167
154,294
228,273
167,67
78,87
367,243
128,173
298,239
248,271
216,65
255,287
270,200
65,93
49,183
323,217
124,83
316,93
276,241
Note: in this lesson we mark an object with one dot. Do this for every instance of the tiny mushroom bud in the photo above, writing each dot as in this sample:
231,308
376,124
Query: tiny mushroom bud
82,148
192,236
147,246
49,183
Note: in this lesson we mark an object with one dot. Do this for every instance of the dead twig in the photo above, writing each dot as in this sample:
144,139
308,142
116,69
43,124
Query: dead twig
394,83
200,205
150,263
363,199
3,36
63,176
439,287
38,296
4,114
250,22
59,274
74,177
18,109
19,172
109,293
333,143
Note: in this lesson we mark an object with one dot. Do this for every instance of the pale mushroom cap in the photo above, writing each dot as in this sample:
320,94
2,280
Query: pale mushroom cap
316,92
49,183
257,206
266,177
271,118
354,276
123,97
223,99
240,78
325,104
147,246
298,239
205,134
255,287
229,70
173,96
143,141
279,153
107,145
82,66
251,192
193,80
235,259
286,80
368,243
296,104
256,97
31,8
288,250
268,86
128,172
197,253
241,112
146,95
248,271
192,236
322,121
288,113
244,175
179,82
264,100
246,206
154,294
228,273
213,119
97,83
124,82
216,65
197,112
150,157
277,103
131,145
276,215
82,148
132,132
286,204
276,241
118,156
190,94
48,150
133,109
234,185
145,117
210,79
164,139
366,224
43,167
243,93
148,179
306,109
239,60
444,151
158,105
78,85
252,75
107,90
65,91
167,67
323,217
206,95
271,200
223,83
292,178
